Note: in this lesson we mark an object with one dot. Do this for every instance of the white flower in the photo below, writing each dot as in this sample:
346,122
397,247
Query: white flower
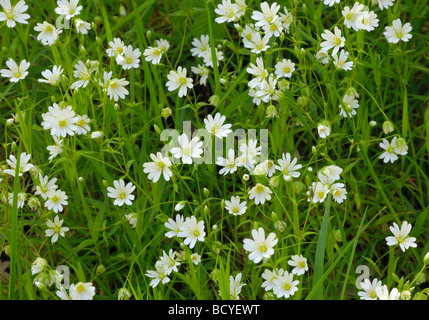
260,247
159,275
48,33
159,166
61,122
130,58
323,56
384,4
338,192
82,126
287,167
351,15
13,14
258,71
368,287
153,55
384,294
169,261
178,80
235,207
228,164
175,226
266,168
81,73
20,199
397,32
284,68
324,130
286,19
285,286
208,60
267,15
45,185
55,149
260,193
235,286
132,219
52,77
390,153
269,277
15,72
267,90
192,231
247,33
340,61
195,258
332,40
201,46
350,104
367,21
241,8
203,72
116,89
187,150
68,8
116,47
82,291
163,45
329,174
121,193
227,12
258,43
55,229
299,263
320,191
23,165
82,26
216,127
56,200
275,28
330,2
400,236
38,265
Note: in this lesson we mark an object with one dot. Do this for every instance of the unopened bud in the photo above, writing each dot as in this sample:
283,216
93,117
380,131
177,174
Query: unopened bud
388,127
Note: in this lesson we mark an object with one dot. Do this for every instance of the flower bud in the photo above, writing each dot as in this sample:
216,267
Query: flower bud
100,269
206,192
214,100
280,226
426,259
7,250
302,101
271,111
372,123
166,112
180,206
96,134
388,127
157,129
